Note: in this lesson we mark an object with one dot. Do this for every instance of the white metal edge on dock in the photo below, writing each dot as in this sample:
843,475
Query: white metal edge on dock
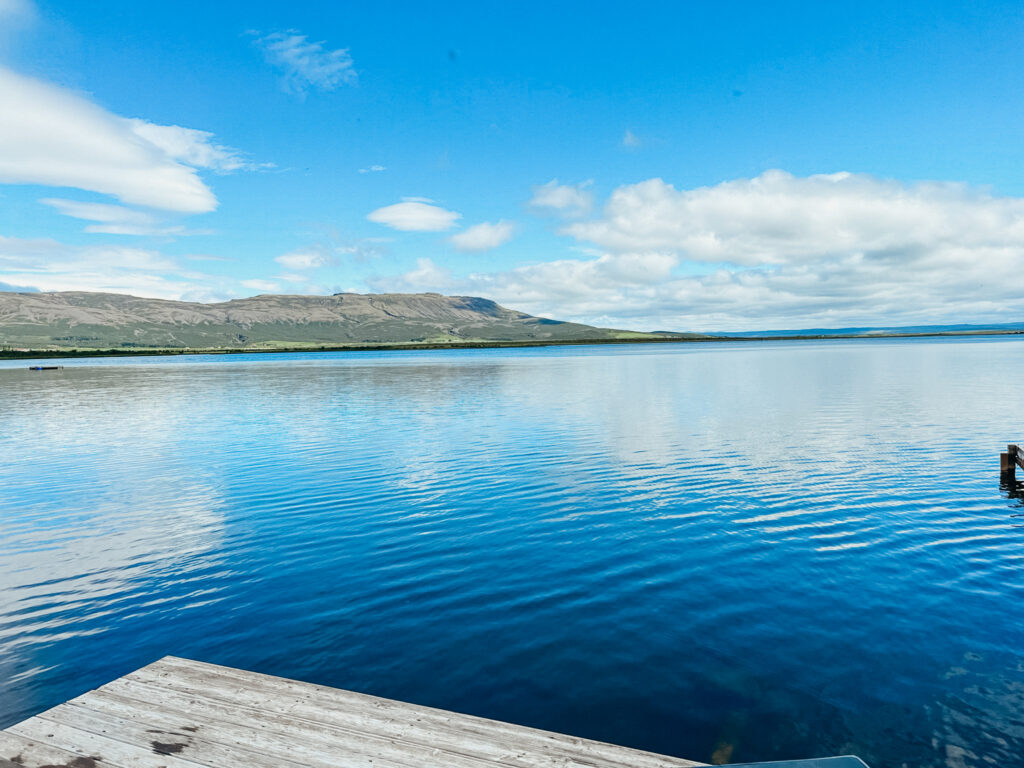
177,713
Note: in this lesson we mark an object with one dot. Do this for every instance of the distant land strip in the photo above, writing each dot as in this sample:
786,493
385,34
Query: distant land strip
86,324
26,354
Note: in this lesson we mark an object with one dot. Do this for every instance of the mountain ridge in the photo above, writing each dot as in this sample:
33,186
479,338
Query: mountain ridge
87,320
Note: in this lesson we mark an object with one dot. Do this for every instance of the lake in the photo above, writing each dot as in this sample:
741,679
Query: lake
726,551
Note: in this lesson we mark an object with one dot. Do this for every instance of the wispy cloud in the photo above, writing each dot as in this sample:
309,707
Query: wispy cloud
194,148
426,276
50,265
306,258
304,64
484,236
207,257
373,169
330,251
567,200
292,277
630,140
18,288
264,286
112,219
415,215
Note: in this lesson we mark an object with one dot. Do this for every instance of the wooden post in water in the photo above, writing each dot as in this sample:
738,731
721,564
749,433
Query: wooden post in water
1008,462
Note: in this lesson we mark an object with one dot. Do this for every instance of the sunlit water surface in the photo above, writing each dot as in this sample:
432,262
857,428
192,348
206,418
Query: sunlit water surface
724,551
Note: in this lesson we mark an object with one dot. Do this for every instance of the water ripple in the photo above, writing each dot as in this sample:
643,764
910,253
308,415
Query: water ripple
787,549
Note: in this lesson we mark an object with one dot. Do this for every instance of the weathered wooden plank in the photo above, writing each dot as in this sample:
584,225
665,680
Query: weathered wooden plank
1016,455
176,713
332,705
82,743
72,726
225,744
25,753
361,716
382,740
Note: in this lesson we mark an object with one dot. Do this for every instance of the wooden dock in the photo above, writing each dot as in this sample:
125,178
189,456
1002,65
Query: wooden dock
183,714
176,713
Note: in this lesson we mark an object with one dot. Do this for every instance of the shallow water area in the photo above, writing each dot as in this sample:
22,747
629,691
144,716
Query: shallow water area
725,551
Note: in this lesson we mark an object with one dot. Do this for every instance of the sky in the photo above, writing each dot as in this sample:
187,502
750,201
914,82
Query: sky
687,166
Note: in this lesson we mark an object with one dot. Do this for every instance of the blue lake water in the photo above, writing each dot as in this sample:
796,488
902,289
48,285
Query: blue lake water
735,551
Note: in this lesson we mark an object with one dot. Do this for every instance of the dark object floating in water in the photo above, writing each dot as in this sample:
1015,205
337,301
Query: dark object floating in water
1009,461
46,367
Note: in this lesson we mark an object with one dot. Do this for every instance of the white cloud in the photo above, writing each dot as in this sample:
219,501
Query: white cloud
485,236
415,215
328,253
49,265
777,218
310,258
569,200
363,250
112,219
292,278
265,286
306,65
192,147
776,251
208,257
426,277
630,140
54,137
373,169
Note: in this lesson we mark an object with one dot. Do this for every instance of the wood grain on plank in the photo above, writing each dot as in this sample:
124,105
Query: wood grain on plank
177,713
26,753
324,704
83,743
361,723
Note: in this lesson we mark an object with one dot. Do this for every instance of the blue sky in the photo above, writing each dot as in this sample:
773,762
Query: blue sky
662,165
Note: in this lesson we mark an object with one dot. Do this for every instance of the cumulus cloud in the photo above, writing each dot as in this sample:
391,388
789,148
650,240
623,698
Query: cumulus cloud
777,218
568,200
415,215
50,265
55,137
776,251
306,65
484,236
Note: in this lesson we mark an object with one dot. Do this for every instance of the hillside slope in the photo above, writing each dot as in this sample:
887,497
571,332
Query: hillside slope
81,320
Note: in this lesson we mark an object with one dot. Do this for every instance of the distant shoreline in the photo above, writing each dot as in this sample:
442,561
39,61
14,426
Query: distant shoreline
47,354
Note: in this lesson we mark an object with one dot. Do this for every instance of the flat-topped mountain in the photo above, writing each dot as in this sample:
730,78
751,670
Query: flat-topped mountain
82,320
